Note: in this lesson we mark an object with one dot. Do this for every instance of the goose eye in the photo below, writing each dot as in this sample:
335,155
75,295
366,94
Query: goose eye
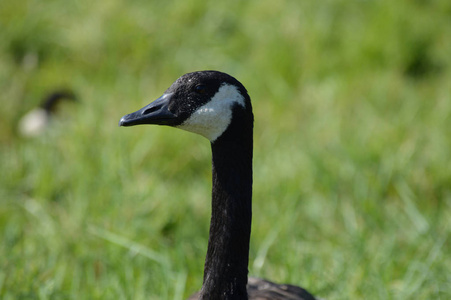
200,89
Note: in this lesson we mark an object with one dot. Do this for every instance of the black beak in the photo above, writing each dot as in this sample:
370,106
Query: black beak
156,112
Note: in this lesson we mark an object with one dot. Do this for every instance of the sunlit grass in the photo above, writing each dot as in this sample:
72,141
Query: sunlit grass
352,164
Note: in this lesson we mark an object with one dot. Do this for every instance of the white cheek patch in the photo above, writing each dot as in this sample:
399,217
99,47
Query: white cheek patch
213,118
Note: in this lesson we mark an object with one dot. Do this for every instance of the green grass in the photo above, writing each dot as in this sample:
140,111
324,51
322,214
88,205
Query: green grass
352,184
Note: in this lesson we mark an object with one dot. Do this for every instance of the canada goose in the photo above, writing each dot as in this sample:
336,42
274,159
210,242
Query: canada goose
37,120
218,107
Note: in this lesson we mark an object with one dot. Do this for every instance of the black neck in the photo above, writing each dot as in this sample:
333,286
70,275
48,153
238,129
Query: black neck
225,273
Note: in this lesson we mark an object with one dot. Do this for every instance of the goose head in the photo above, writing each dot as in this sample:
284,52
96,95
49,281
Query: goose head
203,102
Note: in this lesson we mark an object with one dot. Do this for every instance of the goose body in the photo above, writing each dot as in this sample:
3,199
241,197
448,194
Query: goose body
218,107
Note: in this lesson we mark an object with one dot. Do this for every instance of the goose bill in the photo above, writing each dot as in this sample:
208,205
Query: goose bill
156,112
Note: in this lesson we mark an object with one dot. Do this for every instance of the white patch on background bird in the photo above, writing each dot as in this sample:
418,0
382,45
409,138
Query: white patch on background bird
34,123
213,118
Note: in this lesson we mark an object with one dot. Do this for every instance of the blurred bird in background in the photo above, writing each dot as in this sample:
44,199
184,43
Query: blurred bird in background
36,121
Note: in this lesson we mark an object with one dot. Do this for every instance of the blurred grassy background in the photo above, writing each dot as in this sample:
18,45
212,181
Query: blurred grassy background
352,187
